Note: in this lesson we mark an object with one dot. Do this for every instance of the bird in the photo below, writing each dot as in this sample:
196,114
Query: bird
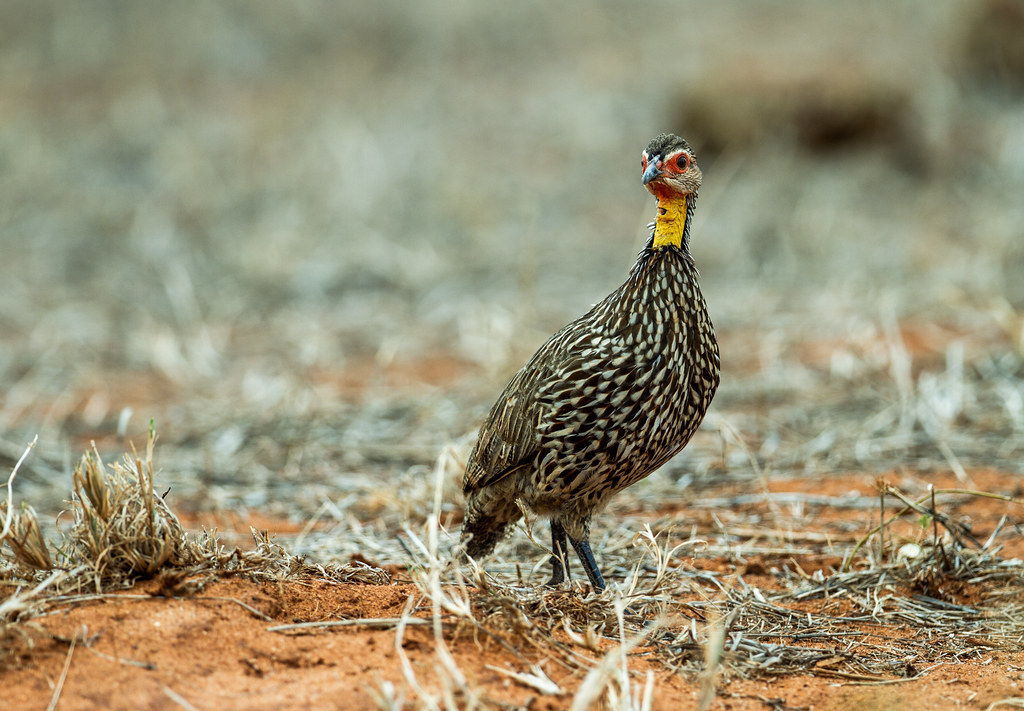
610,397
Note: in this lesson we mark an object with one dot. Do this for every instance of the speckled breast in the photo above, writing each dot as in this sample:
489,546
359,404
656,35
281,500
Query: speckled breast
639,379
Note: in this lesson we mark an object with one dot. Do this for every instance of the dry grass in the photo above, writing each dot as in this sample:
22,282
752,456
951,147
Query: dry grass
122,531
891,607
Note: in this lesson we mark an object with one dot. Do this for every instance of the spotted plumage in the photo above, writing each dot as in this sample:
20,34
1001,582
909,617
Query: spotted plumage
610,397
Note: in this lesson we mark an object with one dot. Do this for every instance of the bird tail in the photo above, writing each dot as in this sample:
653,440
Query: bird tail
480,534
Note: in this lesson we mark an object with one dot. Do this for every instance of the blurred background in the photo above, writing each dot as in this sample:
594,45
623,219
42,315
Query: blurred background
314,239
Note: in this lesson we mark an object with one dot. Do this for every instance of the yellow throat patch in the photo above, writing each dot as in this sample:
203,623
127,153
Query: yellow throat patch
670,226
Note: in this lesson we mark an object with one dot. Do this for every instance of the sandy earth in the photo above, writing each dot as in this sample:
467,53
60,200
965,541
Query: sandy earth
212,648
213,653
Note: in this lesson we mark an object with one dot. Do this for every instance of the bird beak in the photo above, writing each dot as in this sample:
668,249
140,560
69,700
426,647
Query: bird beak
653,170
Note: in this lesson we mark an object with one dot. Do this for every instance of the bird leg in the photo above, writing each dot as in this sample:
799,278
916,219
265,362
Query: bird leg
559,557
590,565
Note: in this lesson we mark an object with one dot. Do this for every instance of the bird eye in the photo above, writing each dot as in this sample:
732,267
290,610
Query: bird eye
682,162
643,160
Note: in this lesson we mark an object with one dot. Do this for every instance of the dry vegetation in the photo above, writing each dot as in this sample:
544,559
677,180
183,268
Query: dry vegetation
122,531
312,241
889,606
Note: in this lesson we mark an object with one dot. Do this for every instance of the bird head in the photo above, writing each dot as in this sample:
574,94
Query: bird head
669,168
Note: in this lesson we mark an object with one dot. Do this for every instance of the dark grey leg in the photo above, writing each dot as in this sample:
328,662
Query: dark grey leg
587,558
559,559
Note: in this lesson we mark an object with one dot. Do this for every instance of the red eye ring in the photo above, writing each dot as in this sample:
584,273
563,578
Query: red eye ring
682,162
643,160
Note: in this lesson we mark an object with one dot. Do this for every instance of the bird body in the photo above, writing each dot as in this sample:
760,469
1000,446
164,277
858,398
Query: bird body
610,397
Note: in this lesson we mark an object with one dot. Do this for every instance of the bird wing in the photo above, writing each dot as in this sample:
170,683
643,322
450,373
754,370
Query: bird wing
507,440
548,398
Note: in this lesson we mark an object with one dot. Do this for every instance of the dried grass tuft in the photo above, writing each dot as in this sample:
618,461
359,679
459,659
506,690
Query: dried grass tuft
26,540
122,529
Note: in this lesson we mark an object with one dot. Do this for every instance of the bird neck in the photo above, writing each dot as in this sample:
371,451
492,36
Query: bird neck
672,226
